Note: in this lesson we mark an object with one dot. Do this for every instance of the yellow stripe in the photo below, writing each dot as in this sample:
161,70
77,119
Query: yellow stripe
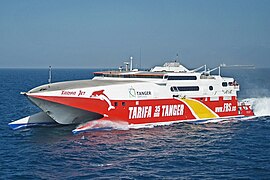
200,109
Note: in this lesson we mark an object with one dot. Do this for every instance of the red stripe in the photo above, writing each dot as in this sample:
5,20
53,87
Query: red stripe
125,109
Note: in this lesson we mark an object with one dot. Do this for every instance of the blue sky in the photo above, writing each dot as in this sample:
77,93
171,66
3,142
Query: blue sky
104,33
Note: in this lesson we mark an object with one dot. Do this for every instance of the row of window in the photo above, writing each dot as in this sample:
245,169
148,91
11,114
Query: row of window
147,76
184,88
188,88
123,103
182,78
234,83
224,84
129,76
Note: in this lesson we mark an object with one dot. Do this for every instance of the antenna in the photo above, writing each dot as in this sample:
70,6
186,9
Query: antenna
131,58
50,75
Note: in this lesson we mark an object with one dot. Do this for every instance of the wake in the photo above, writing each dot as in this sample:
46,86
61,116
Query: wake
260,106
101,125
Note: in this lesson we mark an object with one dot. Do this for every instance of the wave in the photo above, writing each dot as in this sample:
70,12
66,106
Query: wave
99,125
260,106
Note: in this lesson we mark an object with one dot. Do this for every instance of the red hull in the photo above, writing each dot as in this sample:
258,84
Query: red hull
155,110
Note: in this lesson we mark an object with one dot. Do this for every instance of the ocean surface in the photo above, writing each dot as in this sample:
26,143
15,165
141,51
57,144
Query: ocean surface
232,149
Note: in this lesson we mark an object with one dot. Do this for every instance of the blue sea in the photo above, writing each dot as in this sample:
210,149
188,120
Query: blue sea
233,149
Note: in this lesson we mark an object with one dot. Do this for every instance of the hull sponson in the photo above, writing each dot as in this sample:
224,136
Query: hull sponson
38,119
63,114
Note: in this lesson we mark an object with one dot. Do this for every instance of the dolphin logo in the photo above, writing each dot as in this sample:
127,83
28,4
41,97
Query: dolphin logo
103,97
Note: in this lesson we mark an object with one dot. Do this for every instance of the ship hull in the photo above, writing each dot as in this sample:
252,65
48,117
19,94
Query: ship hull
70,110
64,114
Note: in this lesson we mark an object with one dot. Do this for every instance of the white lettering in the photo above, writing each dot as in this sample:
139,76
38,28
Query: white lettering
163,107
134,116
157,111
130,112
165,110
172,110
149,112
227,107
140,112
181,109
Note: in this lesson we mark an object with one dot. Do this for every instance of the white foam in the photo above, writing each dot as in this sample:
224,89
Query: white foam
260,106
101,124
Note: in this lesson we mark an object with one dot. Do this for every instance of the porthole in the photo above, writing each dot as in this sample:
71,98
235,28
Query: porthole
174,89
224,84
211,88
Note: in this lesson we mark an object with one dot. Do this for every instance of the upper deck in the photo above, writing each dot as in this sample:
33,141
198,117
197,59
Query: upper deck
137,74
176,82
178,79
158,72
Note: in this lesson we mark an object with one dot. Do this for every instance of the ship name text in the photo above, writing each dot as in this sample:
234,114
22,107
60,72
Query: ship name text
137,112
143,93
72,93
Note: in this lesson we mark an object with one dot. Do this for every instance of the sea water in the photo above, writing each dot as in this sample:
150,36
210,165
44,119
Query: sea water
230,149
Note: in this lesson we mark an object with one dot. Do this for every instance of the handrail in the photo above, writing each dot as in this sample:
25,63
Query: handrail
211,70
194,70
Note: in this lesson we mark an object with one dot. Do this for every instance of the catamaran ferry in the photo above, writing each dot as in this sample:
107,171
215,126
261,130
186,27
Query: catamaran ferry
166,94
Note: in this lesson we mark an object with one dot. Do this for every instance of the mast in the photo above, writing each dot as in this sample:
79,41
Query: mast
50,75
131,58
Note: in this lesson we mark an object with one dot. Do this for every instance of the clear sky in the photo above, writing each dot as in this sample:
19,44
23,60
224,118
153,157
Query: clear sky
104,33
